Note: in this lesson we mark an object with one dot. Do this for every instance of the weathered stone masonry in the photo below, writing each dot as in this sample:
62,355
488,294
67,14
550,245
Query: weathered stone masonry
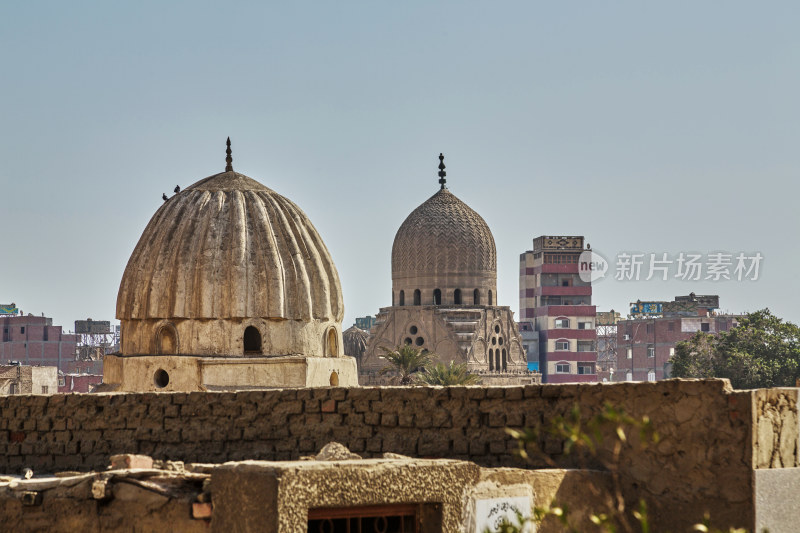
712,438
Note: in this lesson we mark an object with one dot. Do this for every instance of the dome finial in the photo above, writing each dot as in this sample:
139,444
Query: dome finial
442,173
229,159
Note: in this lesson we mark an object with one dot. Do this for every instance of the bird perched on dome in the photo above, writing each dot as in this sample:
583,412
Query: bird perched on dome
164,197
177,189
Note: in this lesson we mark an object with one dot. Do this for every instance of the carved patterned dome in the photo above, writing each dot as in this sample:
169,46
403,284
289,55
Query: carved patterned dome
441,238
229,247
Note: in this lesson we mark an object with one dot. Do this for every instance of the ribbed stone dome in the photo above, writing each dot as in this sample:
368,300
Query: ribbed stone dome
355,342
444,237
228,247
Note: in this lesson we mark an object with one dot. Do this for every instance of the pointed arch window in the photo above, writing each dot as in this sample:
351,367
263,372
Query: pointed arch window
417,297
457,297
437,297
490,298
402,298
476,297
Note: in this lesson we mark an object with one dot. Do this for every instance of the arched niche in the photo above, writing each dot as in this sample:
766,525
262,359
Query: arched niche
166,339
331,343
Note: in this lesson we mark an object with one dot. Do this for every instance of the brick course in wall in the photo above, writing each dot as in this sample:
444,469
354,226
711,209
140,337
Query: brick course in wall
711,438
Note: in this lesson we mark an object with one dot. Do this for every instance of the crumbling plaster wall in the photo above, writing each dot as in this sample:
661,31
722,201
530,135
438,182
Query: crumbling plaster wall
711,436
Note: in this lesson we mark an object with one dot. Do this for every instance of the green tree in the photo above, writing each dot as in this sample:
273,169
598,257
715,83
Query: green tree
452,374
762,351
694,357
406,361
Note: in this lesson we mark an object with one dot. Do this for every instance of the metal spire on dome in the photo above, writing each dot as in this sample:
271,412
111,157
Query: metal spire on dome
442,173
229,159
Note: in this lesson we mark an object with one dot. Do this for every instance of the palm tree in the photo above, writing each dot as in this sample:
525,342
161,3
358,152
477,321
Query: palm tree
406,361
454,374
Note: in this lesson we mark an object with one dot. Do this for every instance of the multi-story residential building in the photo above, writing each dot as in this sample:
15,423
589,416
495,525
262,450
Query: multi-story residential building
24,379
558,301
34,340
647,340
78,382
530,344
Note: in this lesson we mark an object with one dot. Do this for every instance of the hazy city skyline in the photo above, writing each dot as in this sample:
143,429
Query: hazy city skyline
648,129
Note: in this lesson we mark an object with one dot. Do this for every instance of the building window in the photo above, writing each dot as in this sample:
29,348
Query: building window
585,346
62,381
457,297
562,323
562,346
585,368
44,389
562,368
252,340
651,376
651,350
417,297
630,353
671,352
490,298
649,328
628,376
584,325
705,326
13,388
671,326
437,297
22,329
476,297
402,298
505,362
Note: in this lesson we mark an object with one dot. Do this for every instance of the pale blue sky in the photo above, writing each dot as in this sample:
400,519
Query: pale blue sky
652,128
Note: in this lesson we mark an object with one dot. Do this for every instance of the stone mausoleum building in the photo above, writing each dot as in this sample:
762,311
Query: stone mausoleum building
229,287
444,290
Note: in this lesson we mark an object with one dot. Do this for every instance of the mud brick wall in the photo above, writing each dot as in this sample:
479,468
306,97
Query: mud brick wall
711,438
